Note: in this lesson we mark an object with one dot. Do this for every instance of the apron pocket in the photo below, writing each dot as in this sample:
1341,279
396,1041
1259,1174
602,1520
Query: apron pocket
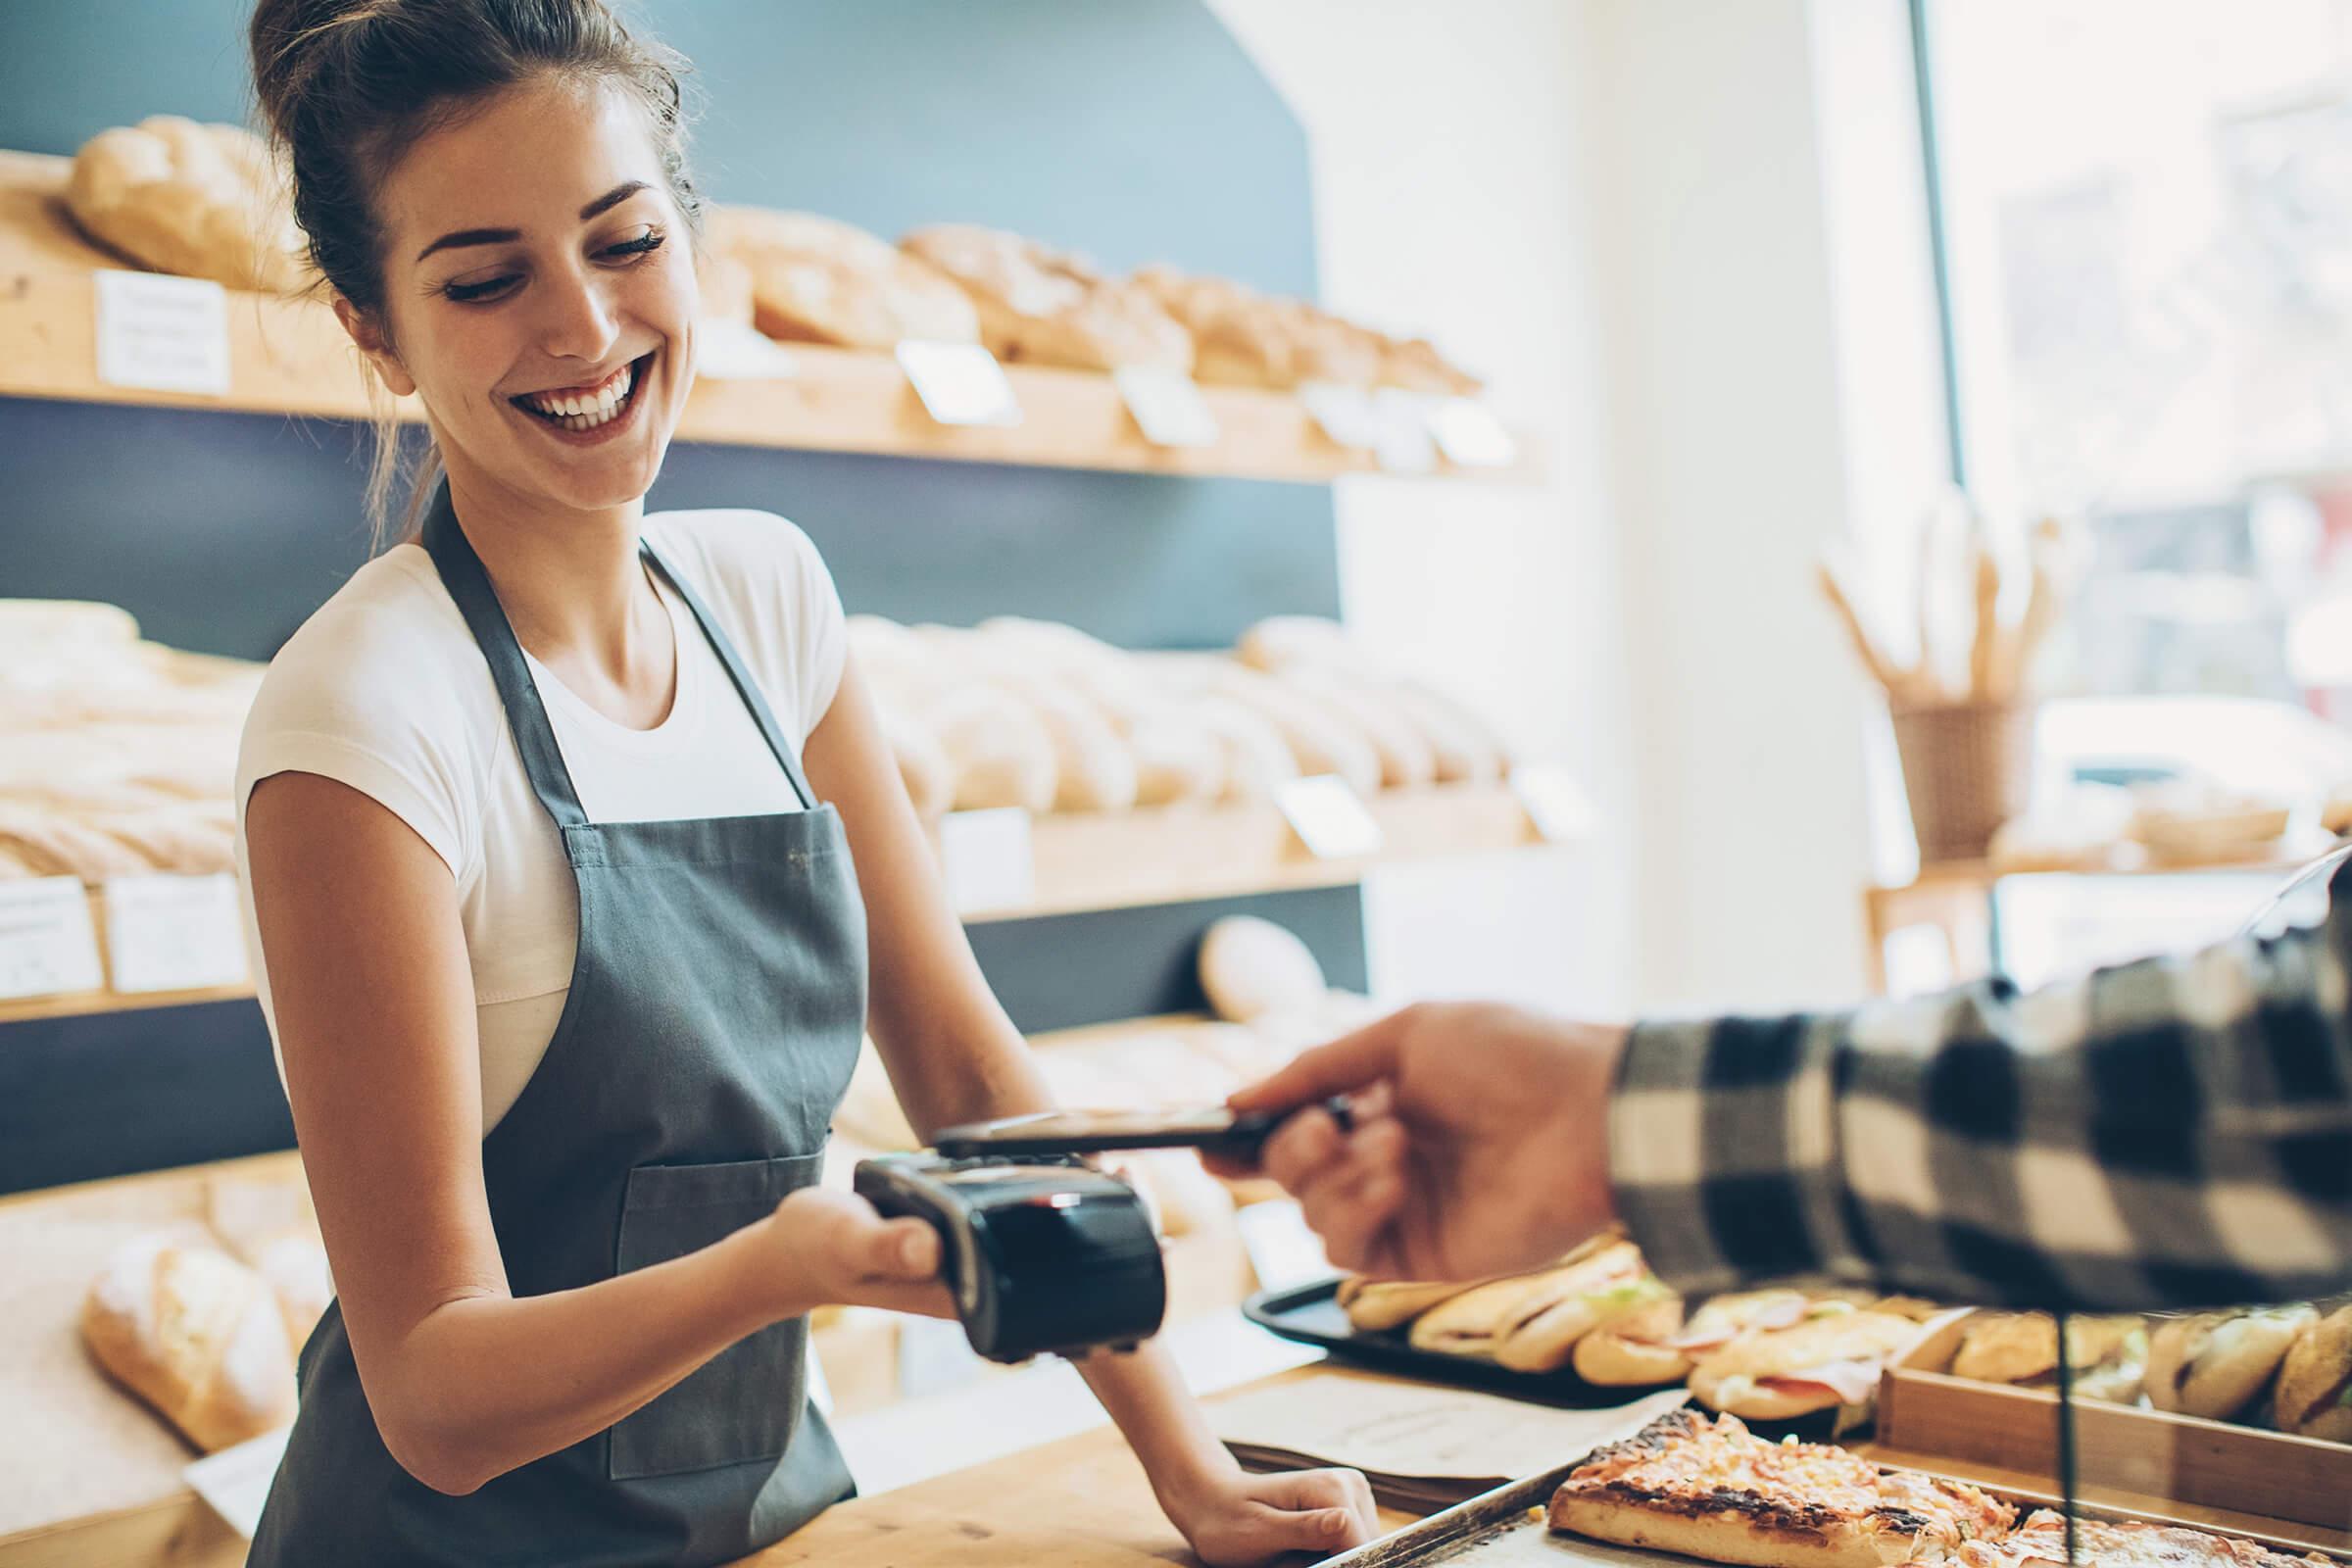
745,1403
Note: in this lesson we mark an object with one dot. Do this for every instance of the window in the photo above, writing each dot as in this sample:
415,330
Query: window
2147,238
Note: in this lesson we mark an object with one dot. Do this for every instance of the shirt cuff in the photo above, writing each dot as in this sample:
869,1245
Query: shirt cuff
1724,1152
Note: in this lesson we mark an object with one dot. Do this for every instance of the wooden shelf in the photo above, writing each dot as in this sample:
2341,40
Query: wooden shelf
1164,854
1168,855
291,357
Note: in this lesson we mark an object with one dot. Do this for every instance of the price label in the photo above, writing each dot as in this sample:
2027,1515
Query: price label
1330,818
738,351
235,1481
47,944
1554,801
1400,442
175,933
987,859
1167,406
1470,435
166,333
960,383
1343,412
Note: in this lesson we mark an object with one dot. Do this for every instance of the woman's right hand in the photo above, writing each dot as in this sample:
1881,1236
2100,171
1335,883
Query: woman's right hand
823,1248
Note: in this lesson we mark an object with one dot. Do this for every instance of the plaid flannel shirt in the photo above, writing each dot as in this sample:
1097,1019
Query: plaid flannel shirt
2171,1133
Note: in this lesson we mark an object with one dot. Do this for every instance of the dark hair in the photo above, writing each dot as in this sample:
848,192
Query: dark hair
346,85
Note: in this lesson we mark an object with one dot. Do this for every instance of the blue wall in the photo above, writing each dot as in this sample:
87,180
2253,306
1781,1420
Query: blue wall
1133,129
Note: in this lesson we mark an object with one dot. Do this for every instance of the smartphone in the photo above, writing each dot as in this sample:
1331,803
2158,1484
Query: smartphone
1214,1129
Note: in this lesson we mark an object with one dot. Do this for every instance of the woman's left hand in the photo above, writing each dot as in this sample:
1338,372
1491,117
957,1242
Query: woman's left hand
1234,1518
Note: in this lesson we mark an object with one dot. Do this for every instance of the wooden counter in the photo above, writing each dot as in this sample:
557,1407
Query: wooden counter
1081,1503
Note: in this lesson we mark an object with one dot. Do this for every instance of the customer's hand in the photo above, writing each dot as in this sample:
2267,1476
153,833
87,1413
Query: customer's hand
825,1247
1479,1143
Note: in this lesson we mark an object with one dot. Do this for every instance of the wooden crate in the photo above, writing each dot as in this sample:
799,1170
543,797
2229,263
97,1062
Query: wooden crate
1923,1409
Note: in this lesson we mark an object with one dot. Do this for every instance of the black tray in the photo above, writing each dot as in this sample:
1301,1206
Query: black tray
1311,1315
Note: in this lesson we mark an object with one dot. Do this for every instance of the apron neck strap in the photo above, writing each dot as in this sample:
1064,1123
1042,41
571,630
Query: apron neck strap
787,755
526,716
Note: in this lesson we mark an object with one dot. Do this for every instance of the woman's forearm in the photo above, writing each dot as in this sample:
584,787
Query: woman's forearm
484,1384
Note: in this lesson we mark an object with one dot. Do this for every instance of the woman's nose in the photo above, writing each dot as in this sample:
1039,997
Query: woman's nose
576,321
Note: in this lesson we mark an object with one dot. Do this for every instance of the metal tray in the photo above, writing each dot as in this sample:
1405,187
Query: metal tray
1507,1528
1311,1315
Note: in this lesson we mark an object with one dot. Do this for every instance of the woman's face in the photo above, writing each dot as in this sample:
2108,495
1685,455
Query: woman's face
540,293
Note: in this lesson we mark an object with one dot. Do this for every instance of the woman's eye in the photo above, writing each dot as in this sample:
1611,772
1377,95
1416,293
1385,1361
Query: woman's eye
476,293
631,250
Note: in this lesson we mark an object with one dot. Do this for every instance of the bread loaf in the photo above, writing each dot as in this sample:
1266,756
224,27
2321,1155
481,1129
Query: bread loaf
816,279
201,201
1048,307
923,765
1250,968
196,1334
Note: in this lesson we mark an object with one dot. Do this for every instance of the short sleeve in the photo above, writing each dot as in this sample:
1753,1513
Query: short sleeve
373,692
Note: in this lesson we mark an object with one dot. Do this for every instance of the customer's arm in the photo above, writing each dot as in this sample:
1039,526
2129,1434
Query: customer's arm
2175,1131
2171,1133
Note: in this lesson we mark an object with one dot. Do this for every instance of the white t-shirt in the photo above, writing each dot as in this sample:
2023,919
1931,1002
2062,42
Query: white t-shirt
384,690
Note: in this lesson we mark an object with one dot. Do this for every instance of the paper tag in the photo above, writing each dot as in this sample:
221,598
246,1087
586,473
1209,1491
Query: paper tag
1470,435
47,944
175,933
235,1481
1555,803
1343,412
1329,818
960,383
1167,406
987,859
1400,443
1282,1250
738,351
168,333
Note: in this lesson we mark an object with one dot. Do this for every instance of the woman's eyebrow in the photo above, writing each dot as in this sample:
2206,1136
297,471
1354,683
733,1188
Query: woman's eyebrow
507,236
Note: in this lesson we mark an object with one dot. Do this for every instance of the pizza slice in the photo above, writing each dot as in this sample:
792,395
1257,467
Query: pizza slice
1715,1491
2041,1543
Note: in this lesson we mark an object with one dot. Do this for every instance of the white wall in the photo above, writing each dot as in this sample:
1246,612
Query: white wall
1768,390
1685,240
1450,200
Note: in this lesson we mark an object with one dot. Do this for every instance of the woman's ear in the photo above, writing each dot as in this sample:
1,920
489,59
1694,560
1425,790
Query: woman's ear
373,343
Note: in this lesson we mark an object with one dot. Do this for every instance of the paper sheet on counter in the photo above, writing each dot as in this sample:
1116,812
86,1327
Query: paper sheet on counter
1420,1444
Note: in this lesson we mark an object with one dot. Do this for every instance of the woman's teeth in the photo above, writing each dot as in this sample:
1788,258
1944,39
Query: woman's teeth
584,409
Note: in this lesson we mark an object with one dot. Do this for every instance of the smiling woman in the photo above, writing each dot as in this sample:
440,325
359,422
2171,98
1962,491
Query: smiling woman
568,835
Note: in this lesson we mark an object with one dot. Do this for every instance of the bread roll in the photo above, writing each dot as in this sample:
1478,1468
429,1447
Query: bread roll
1404,758
2217,1364
1821,1364
817,279
1606,1284
196,1334
923,767
1046,307
2315,1382
1319,740
1250,968
2016,1347
201,201
1378,1305
1634,1350
999,748
1254,762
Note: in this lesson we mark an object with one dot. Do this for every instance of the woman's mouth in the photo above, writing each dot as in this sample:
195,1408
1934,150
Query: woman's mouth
582,410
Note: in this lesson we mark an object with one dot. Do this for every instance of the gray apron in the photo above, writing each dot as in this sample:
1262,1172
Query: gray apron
716,1010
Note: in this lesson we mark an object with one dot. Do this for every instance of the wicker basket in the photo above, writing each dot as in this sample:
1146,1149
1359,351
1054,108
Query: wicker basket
1967,769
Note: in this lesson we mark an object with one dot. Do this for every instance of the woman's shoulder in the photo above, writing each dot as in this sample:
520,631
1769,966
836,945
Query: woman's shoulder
387,654
720,545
